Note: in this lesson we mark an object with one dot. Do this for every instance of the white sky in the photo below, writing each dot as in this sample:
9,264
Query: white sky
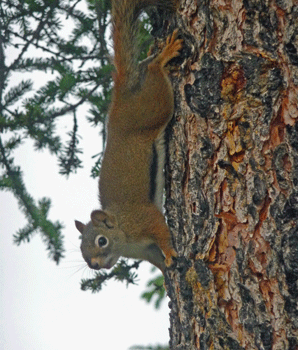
41,304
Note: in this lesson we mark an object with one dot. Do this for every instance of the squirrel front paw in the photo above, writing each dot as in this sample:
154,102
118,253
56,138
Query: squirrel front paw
171,49
168,259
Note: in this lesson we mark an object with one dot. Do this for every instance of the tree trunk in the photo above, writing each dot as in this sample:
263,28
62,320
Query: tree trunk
232,191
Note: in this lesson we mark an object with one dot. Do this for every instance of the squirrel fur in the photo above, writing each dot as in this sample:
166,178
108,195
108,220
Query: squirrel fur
131,223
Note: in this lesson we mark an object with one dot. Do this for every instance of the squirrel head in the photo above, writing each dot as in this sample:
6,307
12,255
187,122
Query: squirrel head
100,239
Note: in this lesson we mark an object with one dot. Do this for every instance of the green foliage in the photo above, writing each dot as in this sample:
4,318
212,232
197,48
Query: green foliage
66,44
155,291
149,347
68,159
63,42
45,38
36,214
121,272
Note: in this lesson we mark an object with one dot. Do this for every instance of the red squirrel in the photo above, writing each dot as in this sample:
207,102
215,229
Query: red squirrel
131,223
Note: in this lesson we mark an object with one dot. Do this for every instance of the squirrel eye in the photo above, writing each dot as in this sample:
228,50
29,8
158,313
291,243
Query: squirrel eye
101,241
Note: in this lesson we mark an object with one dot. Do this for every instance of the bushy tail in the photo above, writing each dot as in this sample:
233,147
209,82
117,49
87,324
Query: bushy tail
125,33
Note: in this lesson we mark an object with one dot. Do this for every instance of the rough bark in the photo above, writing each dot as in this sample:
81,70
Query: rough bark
232,192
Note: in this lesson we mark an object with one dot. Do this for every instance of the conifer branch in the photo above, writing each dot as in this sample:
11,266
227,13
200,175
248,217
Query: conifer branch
121,272
68,160
36,215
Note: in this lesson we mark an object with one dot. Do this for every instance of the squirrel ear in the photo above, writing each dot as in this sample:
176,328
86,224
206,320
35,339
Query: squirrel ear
80,226
99,216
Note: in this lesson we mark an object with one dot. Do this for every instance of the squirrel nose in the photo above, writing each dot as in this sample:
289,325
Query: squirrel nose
93,264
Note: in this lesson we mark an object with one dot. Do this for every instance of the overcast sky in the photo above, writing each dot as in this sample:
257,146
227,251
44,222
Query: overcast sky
42,306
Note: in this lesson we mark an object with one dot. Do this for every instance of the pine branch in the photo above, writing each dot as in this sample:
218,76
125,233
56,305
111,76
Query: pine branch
16,92
95,171
68,160
35,35
155,290
121,272
36,214
149,347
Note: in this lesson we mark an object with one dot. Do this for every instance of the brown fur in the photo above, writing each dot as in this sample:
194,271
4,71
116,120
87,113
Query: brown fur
133,225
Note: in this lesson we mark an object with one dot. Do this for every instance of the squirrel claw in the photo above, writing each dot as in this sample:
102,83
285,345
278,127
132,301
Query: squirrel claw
171,49
168,259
